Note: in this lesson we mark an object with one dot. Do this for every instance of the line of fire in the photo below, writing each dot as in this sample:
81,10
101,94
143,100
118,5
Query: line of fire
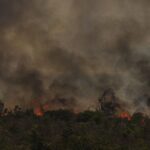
108,104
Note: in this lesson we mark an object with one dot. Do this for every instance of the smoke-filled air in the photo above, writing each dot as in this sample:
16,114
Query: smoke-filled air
66,53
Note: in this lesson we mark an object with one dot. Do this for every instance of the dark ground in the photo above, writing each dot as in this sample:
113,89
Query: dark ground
64,130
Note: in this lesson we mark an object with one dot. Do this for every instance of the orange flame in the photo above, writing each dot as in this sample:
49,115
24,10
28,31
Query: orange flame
125,115
37,108
38,111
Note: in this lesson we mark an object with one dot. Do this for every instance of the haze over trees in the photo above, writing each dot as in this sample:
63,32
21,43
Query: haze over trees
65,130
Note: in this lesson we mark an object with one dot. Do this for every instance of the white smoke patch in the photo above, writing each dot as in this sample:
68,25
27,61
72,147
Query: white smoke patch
74,49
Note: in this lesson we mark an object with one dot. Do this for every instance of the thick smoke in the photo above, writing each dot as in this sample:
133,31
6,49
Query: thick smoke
75,50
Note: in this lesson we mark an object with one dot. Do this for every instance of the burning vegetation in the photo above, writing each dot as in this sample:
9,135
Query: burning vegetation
109,104
45,127
64,129
57,57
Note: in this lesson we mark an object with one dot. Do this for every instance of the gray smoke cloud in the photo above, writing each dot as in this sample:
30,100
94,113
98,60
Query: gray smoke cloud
74,49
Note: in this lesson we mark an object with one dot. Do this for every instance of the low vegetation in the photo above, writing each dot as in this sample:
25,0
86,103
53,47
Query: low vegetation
65,130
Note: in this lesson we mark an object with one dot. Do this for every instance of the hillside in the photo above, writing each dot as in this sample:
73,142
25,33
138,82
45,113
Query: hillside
65,130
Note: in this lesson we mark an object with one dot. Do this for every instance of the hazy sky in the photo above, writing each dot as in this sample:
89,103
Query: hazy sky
74,48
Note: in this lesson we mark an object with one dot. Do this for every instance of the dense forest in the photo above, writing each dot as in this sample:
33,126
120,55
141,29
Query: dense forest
65,130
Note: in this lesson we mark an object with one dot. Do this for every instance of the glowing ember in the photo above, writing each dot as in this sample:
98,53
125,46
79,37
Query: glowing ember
38,111
125,115
37,108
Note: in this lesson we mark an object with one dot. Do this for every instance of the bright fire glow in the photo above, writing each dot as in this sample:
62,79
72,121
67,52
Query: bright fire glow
37,108
125,115
38,111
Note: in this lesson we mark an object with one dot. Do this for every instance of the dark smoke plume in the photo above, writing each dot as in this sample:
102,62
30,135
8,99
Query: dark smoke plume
74,49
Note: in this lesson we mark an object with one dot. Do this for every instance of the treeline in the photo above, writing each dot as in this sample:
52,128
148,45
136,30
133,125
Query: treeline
65,130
